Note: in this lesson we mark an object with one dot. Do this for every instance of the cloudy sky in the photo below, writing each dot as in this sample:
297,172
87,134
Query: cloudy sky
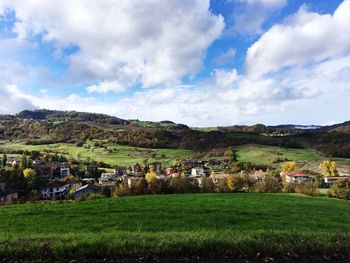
198,62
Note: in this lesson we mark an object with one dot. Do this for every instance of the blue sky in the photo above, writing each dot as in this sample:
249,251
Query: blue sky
198,62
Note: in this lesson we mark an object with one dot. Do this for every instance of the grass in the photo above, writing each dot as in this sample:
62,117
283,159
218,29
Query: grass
177,226
262,154
114,154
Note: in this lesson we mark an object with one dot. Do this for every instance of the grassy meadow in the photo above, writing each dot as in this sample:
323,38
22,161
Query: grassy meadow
177,226
122,155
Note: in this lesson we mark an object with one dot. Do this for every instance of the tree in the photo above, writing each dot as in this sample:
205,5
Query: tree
29,173
24,162
329,168
4,160
235,183
340,189
288,166
150,176
230,155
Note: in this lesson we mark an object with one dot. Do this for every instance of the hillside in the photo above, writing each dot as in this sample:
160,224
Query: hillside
175,226
42,127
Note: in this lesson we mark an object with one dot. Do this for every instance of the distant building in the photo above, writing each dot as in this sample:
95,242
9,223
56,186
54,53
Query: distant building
136,170
55,190
65,171
119,171
170,171
297,178
330,180
197,171
7,196
156,167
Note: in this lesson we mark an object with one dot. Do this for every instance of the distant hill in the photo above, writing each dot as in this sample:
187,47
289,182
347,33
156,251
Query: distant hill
53,115
40,127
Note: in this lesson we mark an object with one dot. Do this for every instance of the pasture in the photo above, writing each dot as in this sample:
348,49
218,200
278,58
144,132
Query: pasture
177,226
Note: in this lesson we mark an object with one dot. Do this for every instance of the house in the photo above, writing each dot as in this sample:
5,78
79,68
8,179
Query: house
120,171
109,180
330,180
297,178
64,171
88,180
55,190
7,196
170,171
136,170
86,189
197,171
156,167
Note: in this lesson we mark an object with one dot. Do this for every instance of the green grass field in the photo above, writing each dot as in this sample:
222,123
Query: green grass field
114,155
262,154
177,226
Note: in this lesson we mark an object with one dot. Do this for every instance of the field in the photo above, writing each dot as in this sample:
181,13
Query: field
113,155
177,226
262,154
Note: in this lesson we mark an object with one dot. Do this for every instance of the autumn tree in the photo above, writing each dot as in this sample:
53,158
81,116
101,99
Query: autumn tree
235,183
150,176
288,166
29,173
4,160
329,168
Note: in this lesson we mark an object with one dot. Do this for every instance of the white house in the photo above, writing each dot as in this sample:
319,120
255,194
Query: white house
197,171
330,180
297,178
56,190
65,171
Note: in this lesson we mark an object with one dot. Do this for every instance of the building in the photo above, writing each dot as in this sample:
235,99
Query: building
297,178
197,171
136,170
132,181
7,196
55,190
64,171
85,190
156,167
330,180
170,171
120,171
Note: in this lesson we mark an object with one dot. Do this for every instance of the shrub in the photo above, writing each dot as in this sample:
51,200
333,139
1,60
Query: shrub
158,186
235,183
340,189
223,186
289,187
208,185
122,190
308,188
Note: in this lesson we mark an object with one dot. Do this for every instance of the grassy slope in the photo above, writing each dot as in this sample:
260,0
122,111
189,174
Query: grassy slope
208,225
262,154
121,155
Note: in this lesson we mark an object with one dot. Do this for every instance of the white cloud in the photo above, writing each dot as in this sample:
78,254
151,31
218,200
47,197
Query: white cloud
106,86
12,99
304,37
126,41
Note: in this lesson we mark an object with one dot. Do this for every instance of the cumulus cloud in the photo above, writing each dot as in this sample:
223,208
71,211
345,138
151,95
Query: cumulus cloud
303,38
13,100
153,42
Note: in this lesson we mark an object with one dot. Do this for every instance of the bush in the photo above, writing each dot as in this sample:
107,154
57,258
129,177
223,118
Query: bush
308,188
340,189
159,186
289,187
122,190
208,185
236,183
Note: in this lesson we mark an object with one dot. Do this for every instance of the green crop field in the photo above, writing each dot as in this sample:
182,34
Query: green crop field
262,154
113,155
177,226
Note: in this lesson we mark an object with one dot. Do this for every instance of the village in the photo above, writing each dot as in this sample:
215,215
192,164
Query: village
30,180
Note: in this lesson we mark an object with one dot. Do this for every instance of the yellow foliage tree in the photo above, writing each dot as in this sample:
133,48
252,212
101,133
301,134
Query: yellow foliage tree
288,166
29,173
235,183
150,176
329,168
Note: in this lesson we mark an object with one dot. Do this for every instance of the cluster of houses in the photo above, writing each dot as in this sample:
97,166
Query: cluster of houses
58,188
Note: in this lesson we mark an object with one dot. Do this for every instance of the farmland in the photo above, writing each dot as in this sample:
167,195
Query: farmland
203,225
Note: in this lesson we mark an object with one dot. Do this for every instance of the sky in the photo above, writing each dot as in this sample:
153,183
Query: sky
197,62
